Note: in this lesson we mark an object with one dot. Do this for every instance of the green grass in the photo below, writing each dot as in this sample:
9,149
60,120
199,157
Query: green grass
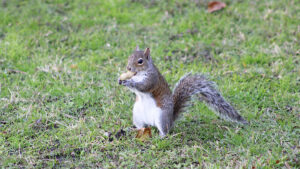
61,106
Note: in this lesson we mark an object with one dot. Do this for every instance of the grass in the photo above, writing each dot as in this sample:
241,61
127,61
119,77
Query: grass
61,106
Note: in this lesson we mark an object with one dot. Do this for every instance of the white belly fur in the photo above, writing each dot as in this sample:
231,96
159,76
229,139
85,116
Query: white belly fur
145,110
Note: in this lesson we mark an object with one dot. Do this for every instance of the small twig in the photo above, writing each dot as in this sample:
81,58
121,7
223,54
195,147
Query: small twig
15,71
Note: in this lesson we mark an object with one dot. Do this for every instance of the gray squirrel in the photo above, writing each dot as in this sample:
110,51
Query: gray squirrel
156,105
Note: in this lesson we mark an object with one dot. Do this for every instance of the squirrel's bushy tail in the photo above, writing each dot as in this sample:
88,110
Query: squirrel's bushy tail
198,84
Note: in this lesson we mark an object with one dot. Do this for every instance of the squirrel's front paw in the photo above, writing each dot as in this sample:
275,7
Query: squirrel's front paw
124,82
120,81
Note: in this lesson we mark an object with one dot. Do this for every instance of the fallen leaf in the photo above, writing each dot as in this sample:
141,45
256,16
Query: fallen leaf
143,134
73,66
215,6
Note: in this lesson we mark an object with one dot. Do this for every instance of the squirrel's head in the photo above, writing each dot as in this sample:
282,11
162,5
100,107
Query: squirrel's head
139,60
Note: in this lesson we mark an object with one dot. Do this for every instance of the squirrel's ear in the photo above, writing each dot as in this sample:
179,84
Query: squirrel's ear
147,53
137,48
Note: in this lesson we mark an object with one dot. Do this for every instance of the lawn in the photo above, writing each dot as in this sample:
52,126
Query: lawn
61,105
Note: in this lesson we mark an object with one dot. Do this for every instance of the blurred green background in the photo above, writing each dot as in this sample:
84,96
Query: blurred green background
61,106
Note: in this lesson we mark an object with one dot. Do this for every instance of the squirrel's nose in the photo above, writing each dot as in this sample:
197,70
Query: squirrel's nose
128,68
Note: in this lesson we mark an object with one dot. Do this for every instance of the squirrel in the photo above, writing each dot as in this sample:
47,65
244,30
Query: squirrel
156,105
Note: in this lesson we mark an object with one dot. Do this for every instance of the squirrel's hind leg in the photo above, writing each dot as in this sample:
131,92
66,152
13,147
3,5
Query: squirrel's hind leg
164,122
162,132
163,128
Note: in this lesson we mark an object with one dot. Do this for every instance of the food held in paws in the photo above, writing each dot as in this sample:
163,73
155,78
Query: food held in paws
126,75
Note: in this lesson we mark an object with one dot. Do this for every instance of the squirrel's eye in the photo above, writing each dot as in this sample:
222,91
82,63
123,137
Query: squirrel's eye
140,61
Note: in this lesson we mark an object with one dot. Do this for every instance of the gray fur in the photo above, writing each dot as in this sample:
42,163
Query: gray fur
197,84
